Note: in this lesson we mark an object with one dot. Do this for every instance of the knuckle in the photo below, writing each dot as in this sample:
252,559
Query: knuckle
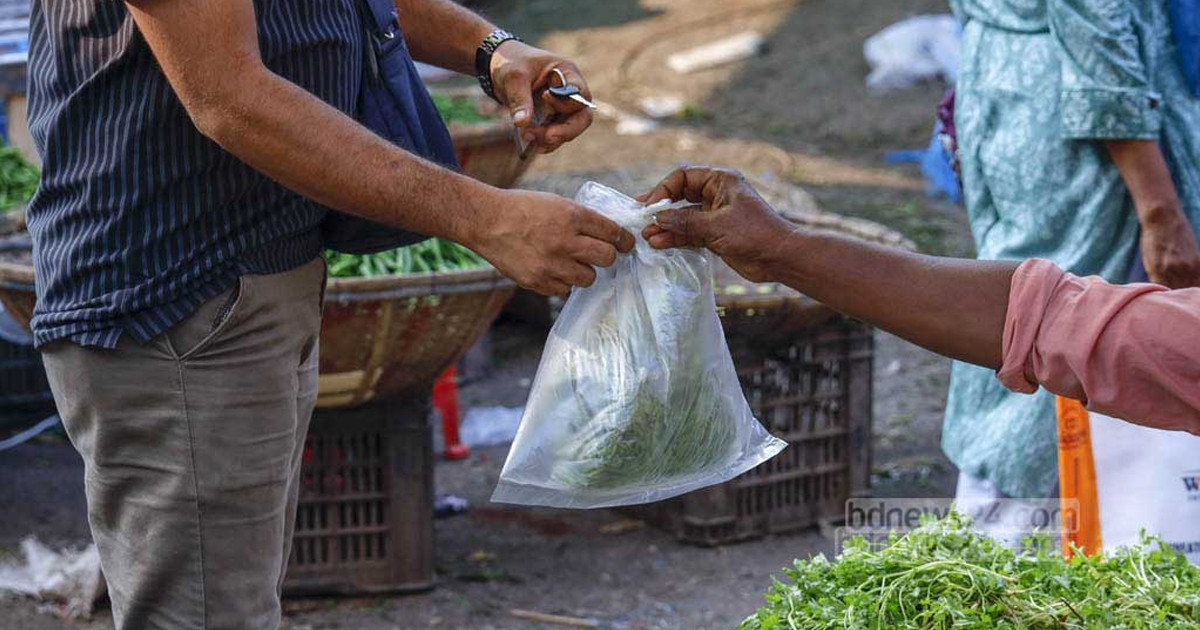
579,217
683,223
731,176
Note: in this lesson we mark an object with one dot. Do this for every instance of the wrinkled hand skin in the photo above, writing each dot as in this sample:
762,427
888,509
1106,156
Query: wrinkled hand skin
1170,252
518,70
733,221
549,244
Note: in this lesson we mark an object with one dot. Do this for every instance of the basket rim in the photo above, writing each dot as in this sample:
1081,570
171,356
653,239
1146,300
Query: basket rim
416,284
473,134
16,275
19,276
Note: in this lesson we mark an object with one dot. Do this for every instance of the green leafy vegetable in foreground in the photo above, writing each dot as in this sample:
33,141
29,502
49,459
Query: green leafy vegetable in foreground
18,178
944,575
434,254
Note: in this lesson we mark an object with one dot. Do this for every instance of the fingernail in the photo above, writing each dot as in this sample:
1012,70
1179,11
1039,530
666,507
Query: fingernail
520,115
529,137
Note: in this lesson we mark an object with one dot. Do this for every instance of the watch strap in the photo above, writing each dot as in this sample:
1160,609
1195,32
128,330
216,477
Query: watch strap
483,59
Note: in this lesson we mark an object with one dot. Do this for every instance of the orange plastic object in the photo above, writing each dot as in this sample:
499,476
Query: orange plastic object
1077,479
445,398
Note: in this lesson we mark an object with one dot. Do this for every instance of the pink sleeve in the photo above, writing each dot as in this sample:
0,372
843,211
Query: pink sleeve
1128,351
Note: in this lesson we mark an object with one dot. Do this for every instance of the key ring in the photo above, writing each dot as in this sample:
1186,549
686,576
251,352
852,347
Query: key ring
561,77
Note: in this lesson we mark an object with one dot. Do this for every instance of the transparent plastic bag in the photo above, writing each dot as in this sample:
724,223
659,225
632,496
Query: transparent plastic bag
636,398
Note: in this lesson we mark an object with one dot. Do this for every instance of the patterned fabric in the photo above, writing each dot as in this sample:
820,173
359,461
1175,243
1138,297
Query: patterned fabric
1041,81
139,218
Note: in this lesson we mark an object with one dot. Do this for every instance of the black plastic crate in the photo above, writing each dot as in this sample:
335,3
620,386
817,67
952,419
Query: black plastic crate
814,392
364,522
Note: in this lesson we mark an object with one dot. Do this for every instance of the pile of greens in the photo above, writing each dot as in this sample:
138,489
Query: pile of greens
459,109
944,575
18,178
626,431
648,443
434,254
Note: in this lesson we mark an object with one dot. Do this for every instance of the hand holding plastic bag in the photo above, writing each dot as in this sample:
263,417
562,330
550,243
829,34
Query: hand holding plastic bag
636,398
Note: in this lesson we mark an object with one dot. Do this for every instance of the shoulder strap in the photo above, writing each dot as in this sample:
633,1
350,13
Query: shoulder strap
383,14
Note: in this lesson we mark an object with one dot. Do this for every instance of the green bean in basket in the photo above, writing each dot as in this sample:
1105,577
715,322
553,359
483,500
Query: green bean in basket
433,255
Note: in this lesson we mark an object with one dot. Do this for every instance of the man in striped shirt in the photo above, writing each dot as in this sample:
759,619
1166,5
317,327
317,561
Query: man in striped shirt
190,151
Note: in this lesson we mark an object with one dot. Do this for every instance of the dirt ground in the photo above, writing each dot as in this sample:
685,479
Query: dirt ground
496,558
800,113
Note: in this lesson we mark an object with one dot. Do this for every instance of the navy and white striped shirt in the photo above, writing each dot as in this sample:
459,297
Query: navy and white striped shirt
139,218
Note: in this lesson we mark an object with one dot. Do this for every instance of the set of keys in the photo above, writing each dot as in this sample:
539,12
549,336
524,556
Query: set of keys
568,91
563,91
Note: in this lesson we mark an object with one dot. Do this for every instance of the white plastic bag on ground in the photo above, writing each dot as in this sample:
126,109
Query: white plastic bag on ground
69,581
912,50
636,398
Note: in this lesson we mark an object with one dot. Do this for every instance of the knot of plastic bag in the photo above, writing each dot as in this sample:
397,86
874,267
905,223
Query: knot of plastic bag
626,211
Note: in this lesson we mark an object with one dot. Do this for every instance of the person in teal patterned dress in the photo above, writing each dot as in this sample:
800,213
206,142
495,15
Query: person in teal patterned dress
1077,135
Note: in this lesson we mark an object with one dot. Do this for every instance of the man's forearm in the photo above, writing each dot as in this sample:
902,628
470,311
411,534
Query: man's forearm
951,306
303,143
442,33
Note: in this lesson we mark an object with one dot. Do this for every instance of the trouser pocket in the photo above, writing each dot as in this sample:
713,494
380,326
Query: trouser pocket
201,328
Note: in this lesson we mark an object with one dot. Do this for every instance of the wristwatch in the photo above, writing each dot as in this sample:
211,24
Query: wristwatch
483,59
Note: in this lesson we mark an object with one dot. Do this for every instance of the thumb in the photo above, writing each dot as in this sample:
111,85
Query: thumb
691,224
518,96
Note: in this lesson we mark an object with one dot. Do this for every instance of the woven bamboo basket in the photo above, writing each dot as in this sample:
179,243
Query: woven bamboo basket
380,337
390,336
486,150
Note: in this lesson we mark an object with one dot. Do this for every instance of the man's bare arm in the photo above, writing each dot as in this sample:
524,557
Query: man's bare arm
444,34
954,307
1077,337
209,51
951,306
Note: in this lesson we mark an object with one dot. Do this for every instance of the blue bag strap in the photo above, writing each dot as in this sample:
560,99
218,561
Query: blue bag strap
393,103
383,12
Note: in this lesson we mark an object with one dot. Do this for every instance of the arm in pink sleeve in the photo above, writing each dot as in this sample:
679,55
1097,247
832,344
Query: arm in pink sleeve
1128,351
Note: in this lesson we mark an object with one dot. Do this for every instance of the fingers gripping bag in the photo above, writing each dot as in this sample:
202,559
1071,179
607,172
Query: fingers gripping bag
636,398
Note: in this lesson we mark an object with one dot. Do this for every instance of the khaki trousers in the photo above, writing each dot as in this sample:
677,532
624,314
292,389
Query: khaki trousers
192,447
